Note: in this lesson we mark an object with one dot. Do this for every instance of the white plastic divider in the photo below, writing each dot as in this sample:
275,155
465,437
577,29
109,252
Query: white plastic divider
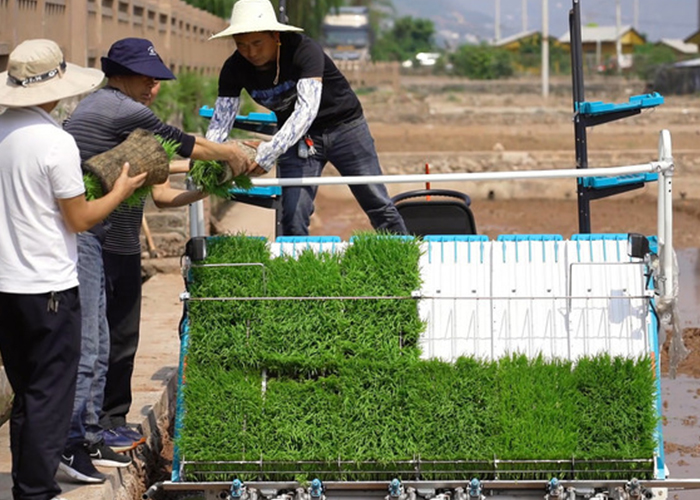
533,295
458,317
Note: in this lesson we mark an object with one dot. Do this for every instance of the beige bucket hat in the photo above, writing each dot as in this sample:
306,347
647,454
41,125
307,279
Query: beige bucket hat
253,16
37,73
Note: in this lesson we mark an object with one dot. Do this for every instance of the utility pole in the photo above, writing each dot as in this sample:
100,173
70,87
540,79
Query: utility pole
524,16
636,15
618,31
498,20
545,48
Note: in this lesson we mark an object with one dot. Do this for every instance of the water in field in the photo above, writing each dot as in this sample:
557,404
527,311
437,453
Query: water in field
689,287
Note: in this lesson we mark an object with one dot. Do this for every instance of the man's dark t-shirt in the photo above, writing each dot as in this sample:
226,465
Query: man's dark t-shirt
300,57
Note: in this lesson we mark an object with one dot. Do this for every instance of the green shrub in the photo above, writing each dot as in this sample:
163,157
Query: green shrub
482,62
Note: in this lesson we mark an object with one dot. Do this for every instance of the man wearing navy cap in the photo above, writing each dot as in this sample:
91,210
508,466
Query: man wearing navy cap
110,254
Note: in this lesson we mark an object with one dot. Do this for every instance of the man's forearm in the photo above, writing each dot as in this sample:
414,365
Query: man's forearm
170,197
208,150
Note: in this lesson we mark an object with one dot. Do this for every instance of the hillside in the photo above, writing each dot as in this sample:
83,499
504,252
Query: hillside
460,21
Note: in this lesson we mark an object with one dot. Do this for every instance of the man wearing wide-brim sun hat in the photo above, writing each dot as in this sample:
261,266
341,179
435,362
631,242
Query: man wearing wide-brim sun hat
110,253
319,116
43,206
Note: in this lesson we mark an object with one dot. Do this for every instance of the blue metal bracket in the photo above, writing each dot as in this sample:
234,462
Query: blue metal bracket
621,180
636,102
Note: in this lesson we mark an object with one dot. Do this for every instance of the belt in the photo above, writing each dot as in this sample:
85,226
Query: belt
342,125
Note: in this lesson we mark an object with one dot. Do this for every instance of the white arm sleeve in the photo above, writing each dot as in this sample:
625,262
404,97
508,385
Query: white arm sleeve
299,122
224,115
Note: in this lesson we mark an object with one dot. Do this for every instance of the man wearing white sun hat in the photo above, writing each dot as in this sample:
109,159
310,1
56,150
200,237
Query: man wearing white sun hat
319,115
43,205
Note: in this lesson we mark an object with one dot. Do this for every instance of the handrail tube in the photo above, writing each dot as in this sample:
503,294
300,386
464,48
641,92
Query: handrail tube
651,167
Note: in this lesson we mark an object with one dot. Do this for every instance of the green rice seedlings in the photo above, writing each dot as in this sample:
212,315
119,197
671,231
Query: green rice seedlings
537,413
224,416
616,404
93,191
93,187
302,417
348,394
207,175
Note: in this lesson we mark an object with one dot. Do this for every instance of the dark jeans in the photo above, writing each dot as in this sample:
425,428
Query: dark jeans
40,349
350,148
123,290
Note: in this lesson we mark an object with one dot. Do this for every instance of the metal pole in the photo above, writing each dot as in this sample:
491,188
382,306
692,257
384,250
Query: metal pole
636,15
197,218
524,16
283,12
570,173
665,216
497,15
584,203
545,48
618,34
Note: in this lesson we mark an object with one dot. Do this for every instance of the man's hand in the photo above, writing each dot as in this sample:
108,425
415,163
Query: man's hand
236,159
125,186
254,169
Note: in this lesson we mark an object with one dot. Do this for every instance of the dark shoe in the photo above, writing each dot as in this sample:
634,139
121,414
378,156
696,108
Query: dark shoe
76,464
104,456
132,434
117,441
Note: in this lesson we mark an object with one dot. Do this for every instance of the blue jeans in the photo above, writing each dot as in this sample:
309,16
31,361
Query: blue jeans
350,148
94,350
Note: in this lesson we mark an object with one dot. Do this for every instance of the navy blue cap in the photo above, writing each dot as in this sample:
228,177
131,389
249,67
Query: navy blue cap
135,56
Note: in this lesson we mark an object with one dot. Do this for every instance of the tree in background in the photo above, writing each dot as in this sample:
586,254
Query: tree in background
309,14
179,101
649,57
482,62
404,40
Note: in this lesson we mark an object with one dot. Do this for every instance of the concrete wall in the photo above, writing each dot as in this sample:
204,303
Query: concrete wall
85,29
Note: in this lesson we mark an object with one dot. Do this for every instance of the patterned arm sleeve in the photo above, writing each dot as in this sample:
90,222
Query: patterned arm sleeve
299,122
221,123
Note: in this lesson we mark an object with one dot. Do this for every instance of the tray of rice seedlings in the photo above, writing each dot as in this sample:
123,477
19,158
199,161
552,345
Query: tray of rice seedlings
98,175
309,367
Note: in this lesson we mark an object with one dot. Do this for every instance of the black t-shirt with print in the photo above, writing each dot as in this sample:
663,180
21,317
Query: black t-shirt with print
300,57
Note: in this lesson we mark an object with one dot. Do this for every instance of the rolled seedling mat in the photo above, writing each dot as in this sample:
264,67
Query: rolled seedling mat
249,151
144,153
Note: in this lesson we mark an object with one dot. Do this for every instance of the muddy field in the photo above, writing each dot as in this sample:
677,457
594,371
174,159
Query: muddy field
437,118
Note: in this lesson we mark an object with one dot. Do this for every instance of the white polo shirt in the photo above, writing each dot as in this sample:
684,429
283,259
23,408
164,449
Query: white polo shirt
39,163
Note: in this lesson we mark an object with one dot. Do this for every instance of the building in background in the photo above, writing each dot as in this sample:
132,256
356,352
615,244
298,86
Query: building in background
85,29
600,45
347,34
679,47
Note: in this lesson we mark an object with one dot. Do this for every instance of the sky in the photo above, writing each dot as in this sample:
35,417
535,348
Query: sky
657,18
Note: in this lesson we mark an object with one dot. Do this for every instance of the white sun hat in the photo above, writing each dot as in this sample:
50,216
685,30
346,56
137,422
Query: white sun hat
37,73
253,16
